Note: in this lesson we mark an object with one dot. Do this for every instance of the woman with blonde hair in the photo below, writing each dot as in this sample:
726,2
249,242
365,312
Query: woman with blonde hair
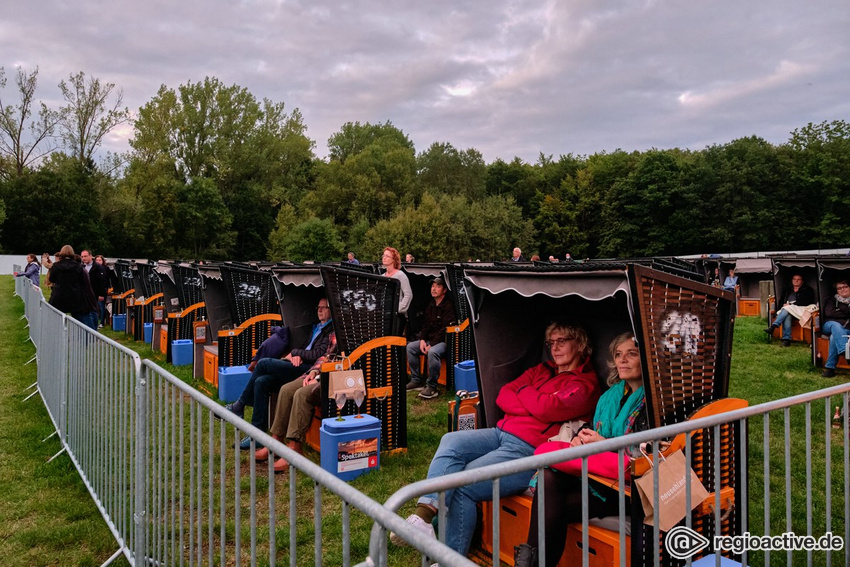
621,410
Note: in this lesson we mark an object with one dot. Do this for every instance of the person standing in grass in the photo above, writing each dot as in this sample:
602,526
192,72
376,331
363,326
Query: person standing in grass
32,271
72,292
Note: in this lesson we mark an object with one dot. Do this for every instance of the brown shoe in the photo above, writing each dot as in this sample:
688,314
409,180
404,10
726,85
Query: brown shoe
262,455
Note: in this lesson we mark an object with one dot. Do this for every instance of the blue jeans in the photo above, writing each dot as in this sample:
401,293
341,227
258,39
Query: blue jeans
267,378
435,355
837,341
464,450
101,308
87,318
785,320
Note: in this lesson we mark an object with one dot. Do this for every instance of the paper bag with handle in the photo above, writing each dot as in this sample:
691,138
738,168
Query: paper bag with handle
673,477
348,381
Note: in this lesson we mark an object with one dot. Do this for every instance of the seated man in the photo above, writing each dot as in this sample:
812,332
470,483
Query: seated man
836,314
562,389
432,340
794,299
272,373
295,403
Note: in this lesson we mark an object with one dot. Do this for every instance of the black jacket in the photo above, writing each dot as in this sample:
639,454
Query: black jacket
72,292
833,310
99,279
805,296
437,318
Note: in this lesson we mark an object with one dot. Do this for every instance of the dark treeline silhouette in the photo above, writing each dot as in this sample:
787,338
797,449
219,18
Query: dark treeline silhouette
215,173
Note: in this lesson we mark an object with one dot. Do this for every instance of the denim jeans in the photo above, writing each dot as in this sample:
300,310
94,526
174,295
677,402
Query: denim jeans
837,341
101,311
785,320
267,378
87,318
435,355
464,450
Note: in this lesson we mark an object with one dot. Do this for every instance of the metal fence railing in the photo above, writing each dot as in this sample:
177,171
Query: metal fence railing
163,464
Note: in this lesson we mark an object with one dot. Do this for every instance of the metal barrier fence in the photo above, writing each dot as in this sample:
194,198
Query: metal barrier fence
772,467
163,464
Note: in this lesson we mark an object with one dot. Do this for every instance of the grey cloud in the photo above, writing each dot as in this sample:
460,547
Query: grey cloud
509,78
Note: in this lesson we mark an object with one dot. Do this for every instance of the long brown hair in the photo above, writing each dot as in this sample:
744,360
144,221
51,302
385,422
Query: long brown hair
67,252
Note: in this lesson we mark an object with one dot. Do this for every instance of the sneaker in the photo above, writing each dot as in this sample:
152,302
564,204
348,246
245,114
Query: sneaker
246,444
429,393
828,373
786,342
240,413
414,386
417,523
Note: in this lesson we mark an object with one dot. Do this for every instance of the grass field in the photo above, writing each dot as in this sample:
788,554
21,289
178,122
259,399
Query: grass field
47,516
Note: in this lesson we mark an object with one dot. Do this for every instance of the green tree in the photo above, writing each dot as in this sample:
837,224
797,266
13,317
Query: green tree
204,221
444,169
313,239
819,195
372,169
23,144
89,115
451,228
256,155
286,220
51,207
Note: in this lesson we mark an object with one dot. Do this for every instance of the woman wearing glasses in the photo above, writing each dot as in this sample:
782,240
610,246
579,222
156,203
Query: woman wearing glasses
836,313
562,389
621,410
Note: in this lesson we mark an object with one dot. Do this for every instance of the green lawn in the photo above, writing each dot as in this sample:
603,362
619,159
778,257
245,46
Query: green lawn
48,518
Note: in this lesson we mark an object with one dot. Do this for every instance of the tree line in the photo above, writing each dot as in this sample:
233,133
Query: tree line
215,173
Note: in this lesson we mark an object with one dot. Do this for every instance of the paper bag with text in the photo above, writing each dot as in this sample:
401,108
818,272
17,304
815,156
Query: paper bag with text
673,477
348,381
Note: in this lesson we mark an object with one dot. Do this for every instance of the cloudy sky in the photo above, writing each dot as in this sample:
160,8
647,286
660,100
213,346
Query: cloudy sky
507,77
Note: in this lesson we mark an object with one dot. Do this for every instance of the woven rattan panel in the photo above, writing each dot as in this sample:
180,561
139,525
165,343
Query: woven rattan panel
190,287
147,280
385,370
238,349
250,293
363,306
681,327
123,280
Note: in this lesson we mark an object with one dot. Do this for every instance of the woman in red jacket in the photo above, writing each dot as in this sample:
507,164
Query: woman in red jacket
563,389
621,410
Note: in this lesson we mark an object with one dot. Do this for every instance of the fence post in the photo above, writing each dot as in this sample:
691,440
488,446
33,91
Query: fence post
140,515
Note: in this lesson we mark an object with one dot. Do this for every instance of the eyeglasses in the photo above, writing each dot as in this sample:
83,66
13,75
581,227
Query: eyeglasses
559,342
322,307
841,287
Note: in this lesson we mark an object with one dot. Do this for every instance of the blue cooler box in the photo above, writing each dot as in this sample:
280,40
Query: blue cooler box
119,322
351,447
465,376
231,381
181,352
148,332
